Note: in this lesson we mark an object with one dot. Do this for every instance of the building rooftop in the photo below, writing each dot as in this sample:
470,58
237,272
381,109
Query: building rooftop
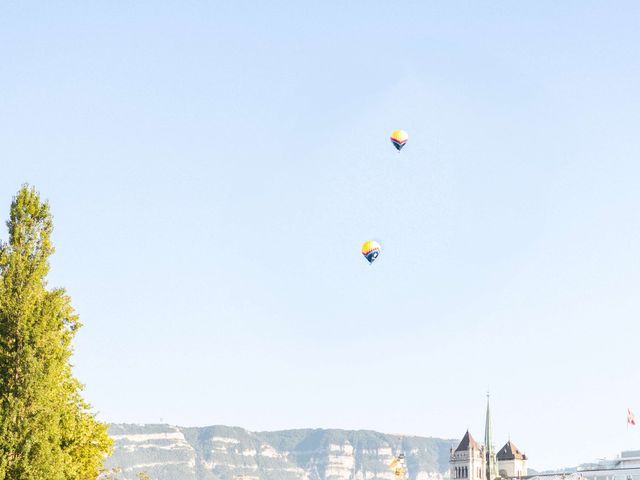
467,443
510,452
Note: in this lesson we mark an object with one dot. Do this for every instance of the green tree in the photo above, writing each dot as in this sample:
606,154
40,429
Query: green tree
47,430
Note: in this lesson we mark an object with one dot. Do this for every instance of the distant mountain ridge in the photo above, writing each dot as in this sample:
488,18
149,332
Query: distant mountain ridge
220,452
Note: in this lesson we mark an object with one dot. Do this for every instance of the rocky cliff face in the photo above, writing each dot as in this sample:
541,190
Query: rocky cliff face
231,453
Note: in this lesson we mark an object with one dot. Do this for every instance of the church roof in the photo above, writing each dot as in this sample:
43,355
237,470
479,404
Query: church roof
510,452
467,443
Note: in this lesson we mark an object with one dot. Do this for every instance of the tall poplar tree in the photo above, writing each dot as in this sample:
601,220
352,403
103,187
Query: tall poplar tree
47,430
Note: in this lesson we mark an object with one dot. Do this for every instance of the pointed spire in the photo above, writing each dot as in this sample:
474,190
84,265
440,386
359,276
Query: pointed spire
488,445
488,431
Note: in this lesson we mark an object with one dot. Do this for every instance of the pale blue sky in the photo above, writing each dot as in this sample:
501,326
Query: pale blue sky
213,168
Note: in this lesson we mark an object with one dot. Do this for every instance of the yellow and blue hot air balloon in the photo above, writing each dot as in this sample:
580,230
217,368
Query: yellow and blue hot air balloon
371,250
399,139
398,466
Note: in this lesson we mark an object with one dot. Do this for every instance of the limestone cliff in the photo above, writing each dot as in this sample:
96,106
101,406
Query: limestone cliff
231,453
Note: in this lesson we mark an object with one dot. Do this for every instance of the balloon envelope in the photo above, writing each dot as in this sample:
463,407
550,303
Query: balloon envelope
399,139
371,250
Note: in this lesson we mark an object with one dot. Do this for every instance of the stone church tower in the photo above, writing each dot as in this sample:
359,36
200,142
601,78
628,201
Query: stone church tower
511,461
467,462
472,461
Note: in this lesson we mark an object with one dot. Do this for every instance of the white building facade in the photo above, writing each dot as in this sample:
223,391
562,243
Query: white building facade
625,466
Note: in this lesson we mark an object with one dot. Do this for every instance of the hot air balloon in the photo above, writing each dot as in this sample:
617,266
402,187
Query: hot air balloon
371,250
399,139
398,466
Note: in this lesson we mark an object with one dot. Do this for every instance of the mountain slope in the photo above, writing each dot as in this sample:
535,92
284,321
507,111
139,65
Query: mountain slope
232,453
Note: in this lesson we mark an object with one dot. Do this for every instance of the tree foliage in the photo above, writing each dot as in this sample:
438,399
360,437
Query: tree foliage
47,430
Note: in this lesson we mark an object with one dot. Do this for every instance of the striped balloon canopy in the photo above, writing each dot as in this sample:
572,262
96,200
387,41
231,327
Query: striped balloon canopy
399,139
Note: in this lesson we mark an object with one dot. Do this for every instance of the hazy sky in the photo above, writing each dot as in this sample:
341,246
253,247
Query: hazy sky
213,168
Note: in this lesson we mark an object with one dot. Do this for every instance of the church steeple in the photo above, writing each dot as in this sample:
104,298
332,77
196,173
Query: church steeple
472,461
491,473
